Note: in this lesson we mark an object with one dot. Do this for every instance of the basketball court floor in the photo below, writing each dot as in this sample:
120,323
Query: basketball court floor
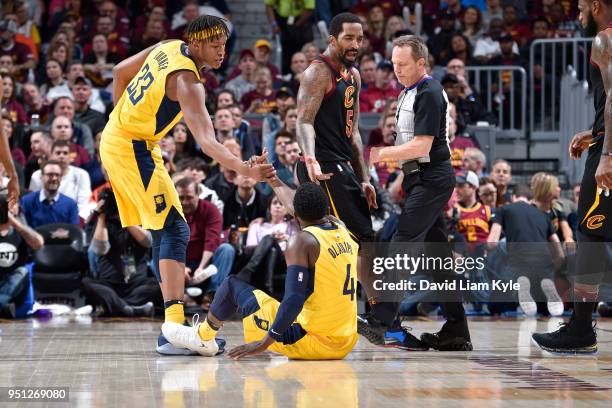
112,363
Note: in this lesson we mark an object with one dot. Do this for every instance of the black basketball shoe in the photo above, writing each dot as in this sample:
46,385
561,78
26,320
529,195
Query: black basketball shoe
401,338
372,329
454,336
568,340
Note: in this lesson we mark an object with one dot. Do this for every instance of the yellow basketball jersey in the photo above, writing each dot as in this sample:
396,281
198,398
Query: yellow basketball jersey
144,111
331,310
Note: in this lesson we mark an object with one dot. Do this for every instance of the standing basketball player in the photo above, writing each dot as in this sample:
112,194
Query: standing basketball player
595,203
9,166
152,90
328,131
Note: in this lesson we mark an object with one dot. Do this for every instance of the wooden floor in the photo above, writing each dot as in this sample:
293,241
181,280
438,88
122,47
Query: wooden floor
112,363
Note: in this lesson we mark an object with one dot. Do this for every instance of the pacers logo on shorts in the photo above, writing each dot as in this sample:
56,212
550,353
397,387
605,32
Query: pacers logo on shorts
160,203
595,221
261,323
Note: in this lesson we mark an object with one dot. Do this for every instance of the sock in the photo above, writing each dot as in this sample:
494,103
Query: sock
584,304
174,311
207,331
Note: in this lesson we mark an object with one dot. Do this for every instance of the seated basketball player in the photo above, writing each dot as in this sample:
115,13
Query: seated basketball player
317,318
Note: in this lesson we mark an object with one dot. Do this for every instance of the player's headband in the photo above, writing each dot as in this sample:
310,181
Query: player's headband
207,33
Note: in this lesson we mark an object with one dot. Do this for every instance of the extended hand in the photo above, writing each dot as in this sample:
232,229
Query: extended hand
250,349
13,192
314,171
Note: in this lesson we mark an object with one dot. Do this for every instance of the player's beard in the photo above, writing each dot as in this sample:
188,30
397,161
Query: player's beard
591,28
348,63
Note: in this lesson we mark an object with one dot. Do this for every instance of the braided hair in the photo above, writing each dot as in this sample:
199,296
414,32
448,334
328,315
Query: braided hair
206,28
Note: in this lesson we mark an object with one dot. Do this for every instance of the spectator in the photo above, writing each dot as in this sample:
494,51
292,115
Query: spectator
245,82
519,31
488,46
155,11
225,98
454,6
545,188
61,129
7,65
224,125
118,16
207,257
76,70
263,98
33,103
244,204
469,110
461,49
100,61
475,160
60,52
186,146
25,25
15,239
389,7
56,84
457,142
223,182
48,205
494,10
510,82
474,217
471,102
294,24
285,98
22,56
74,183
97,176
249,143
367,69
439,44
40,147
154,32
292,155
14,109
373,98
268,240
120,283
116,43
81,91
311,51
376,31
471,24
196,169
386,168
262,50
288,127
16,152
299,63
501,173
487,192
376,134
81,133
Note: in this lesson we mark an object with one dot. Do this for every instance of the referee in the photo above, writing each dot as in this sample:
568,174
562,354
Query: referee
421,147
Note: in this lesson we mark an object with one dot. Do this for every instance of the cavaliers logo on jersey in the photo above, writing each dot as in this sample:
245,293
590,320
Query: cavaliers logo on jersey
595,221
349,101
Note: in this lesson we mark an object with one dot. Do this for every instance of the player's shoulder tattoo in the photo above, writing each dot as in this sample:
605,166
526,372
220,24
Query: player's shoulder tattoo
313,86
602,47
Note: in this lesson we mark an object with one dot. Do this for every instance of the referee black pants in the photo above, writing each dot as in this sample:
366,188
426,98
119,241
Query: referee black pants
422,221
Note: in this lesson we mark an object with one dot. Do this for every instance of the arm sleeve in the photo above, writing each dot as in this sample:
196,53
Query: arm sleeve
427,111
296,292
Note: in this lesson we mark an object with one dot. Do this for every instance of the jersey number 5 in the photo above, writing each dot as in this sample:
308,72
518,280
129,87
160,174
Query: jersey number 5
349,290
137,88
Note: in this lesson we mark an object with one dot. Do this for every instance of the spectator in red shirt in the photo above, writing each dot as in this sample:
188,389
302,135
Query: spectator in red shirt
61,129
520,32
100,62
263,98
385,168
119,17
22,56
207,257
33,103
10,103
367,69
374,97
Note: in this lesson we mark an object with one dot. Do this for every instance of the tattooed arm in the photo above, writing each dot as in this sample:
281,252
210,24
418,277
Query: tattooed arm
315,82
602,55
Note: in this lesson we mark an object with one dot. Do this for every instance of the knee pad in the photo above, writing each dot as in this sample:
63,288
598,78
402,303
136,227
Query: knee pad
174,238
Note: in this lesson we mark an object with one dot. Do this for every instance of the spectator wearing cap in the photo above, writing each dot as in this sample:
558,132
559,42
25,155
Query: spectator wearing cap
474,217
262,99
488,46
76,69
263,50
273,121
22,56
440,43
293,21
81,91
245,81
374,97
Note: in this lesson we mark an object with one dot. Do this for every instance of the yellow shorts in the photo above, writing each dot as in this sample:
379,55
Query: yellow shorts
309,347
142,186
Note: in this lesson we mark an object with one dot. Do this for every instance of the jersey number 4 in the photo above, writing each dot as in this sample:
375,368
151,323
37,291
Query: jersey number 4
137,88
349,284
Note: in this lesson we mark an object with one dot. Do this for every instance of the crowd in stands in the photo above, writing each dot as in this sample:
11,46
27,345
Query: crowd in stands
56,59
